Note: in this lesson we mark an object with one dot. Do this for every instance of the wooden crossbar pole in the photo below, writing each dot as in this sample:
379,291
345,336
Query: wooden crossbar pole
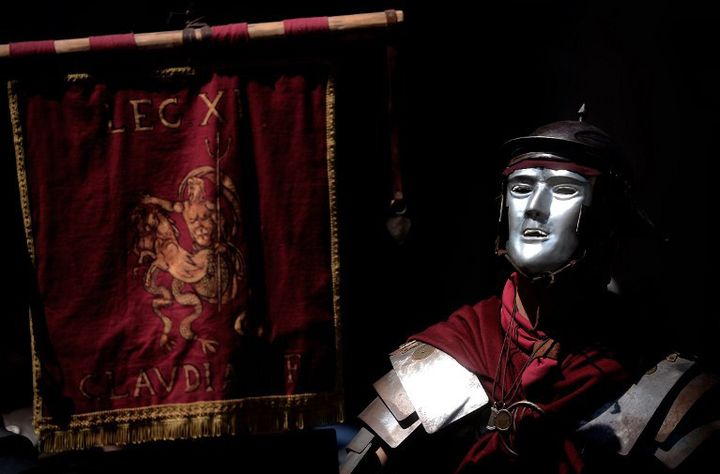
256,31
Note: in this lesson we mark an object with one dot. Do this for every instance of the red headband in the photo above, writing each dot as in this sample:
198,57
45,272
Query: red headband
552,162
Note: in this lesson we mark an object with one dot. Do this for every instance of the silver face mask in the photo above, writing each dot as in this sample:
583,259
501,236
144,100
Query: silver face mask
544,208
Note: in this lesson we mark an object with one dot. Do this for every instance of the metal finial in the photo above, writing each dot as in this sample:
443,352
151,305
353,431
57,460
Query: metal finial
581,113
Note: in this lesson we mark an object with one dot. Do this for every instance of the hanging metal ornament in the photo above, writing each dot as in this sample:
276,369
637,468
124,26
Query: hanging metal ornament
500,419
398,224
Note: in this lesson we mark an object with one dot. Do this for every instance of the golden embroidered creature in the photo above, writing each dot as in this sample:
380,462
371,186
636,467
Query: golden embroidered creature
198,212
212,269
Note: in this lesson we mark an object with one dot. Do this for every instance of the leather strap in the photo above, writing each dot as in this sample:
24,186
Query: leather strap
397,200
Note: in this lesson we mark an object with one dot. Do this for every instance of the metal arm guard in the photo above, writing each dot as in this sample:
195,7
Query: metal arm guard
426,388
666,414
17,453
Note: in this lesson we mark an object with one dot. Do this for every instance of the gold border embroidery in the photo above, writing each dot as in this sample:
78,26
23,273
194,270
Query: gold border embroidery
21,171
170,72
78,77
270,413
334,241
20,166
162,74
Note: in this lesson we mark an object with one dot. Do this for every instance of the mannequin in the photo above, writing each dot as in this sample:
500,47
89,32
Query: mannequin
524,371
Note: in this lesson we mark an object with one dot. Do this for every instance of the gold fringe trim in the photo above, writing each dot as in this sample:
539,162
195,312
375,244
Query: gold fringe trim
236,420
275,402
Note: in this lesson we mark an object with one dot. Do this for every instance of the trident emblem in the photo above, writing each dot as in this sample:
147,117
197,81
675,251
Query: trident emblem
218,155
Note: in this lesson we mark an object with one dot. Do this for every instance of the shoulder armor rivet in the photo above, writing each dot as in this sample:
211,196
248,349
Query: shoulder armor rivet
422,352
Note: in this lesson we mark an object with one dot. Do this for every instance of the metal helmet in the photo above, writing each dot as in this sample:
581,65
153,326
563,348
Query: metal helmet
574,145
584,149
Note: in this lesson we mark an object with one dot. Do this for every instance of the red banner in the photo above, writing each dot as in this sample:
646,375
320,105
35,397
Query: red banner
182,230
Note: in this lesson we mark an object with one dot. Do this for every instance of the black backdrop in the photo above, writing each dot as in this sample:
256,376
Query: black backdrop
471,78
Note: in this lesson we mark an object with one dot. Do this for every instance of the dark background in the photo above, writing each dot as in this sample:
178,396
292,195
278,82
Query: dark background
471,77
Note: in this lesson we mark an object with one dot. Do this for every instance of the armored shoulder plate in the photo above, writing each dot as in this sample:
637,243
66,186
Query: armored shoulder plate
427,388
669,413
438,387
17,453
20,422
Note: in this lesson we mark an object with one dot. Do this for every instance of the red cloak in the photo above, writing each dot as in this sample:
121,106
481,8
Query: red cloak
565,384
